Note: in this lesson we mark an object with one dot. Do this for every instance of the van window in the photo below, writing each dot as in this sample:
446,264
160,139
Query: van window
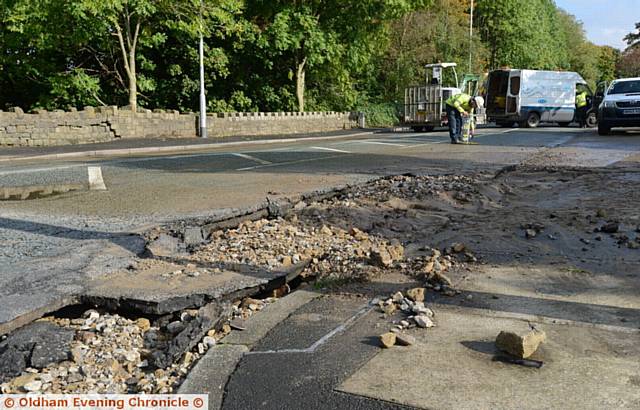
515,85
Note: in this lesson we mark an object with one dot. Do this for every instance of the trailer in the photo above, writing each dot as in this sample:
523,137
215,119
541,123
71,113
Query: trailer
529,97
424,105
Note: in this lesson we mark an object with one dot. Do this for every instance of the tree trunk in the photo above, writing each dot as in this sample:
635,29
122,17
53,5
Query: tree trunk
133,83
300,84
128,46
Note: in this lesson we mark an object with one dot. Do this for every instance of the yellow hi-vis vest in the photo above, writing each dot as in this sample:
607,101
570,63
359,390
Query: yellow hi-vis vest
581,100
461,102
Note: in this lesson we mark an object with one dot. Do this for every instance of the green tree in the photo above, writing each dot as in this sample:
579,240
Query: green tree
125,20
633,39
317,38
522,33
608,60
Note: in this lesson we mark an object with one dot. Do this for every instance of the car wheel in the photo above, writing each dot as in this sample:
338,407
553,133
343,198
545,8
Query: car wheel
604,129
533,120
592,120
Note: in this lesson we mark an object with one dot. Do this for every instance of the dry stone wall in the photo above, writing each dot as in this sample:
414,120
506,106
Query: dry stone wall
103,124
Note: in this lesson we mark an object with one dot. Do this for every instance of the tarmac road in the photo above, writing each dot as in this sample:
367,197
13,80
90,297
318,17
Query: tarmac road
52,245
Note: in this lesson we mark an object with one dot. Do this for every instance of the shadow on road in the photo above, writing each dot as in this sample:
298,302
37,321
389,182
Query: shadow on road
131,242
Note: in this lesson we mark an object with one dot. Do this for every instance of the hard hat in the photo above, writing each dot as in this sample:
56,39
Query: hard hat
479,101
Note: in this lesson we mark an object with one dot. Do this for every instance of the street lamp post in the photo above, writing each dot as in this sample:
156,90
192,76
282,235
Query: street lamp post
203,98
471,38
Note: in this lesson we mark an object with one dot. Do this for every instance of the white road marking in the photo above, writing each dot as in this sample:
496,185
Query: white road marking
96,183
498,133
331,149
250,158
324,339
277,164
427,143
30,170
379,143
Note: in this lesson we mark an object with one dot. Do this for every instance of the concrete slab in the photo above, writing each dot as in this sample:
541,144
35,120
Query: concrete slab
452,367
210,374
259,325
157,290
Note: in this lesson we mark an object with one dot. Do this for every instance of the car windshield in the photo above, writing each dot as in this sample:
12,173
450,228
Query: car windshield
625,87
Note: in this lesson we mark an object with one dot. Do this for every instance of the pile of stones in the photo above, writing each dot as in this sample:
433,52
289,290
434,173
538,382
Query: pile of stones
415,313
279,244
109,353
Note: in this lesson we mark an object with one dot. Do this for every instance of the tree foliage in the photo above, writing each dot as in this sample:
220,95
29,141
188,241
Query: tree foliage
275,55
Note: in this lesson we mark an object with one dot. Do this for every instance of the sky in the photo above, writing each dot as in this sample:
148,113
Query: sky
605,21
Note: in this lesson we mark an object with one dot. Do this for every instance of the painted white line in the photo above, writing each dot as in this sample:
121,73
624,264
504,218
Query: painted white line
498,133
250,158
331,149
277,164
96,183
324,339
379,143
425,144
29,170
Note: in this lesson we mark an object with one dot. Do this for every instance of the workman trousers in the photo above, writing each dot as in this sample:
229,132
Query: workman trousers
581,116
455,124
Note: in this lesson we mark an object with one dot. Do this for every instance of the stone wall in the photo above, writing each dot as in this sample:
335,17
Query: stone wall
103,124
278,123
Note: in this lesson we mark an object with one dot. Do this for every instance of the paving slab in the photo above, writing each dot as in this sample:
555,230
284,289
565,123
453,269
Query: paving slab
162,287
452,367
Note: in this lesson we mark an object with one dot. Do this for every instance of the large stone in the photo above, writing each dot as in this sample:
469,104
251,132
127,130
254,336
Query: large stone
521,345
193,236
381,258
441,278
405,340
36,345
388,339
611,227
423,321
416,294
210,316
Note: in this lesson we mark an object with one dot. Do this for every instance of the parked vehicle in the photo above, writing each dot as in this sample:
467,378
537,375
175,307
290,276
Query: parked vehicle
620,105
529,97
424,105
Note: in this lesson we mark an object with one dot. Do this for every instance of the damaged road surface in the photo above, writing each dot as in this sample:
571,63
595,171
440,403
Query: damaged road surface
429,263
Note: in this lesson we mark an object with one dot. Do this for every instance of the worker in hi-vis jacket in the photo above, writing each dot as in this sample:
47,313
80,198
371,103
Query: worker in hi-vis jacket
458,106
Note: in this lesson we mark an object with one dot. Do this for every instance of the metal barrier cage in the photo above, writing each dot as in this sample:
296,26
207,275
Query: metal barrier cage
423,105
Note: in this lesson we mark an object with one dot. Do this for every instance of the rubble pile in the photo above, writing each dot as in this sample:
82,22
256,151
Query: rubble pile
278,244
416,314
339,250
415,188
111,354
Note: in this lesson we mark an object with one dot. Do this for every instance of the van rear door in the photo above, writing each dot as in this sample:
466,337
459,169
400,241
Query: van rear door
513,93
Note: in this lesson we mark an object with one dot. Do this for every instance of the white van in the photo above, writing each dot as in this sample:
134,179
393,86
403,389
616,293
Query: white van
529,97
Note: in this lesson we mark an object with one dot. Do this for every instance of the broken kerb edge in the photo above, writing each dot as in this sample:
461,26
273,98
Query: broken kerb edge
96,183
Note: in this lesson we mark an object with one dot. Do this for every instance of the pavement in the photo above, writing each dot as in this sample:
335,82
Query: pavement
319,350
